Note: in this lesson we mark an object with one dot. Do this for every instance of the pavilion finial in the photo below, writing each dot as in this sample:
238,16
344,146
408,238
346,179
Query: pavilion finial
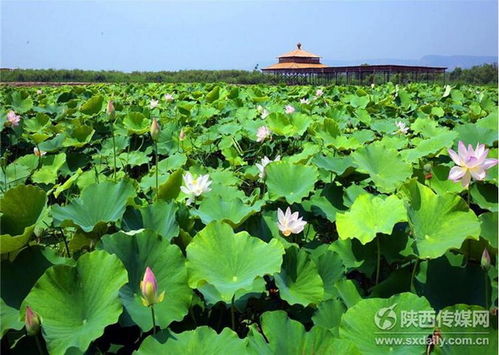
298,45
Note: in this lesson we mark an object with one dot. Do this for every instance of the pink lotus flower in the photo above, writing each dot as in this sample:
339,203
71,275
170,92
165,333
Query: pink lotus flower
289,109
262,133
485,260
149,289
153,103
289,223
168,97
155,129
472,163
31,321
319,92
13,119
402,128
38,153
304,101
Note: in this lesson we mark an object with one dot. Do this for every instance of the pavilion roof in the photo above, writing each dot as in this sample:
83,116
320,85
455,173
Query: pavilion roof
298,52
294,65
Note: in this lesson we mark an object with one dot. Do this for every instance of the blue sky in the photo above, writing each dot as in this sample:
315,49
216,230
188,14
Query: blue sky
174,35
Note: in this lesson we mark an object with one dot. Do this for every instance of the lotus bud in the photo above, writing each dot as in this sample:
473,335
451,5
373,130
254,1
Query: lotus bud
155,129
31,321
110,107
485,262
149,289
181,136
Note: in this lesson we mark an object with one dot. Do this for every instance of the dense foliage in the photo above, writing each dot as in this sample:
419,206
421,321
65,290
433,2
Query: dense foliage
169,206
479,75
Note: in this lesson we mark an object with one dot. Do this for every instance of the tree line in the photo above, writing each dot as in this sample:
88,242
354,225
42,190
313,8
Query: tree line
485,74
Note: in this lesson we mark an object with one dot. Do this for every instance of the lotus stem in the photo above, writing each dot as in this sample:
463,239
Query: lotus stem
39,156
232,317
486,290
413,275
378,260
65,243
114,155
39,344
157,171
153,320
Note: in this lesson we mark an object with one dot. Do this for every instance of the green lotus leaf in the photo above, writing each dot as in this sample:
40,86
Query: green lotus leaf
48,173
288,125
482,338
299,281
229,261
160,217
37,123
473,134
77,303
10,318
376,318
144,250
79,136
331,269
18,171
20,209
202,340
384,166
326,202
287,336
98,203
438,222
337,165
136,123
21,104
171,188
327,130
488,222
92,105
291,181
328,315
440,182
370,215
429,146
211,295
485,195
232,211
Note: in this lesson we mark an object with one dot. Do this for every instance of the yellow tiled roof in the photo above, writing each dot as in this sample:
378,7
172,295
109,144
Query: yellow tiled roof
298,52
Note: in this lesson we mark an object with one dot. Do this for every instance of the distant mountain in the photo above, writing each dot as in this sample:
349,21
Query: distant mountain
453,61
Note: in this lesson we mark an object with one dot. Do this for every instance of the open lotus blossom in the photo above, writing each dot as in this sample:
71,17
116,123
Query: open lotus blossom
194,187
263,133
38,153
149,289
319,92
39,91
402,128
13,119
168,97
264,113
154,129
472,163
289,109
153,103
31,321
289,223
110,107
304,101
265,161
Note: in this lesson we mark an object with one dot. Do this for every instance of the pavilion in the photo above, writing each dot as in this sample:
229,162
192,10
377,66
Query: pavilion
300,64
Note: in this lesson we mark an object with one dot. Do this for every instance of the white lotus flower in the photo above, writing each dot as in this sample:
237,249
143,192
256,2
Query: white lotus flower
319,92
195,187
264,114
168,97
304,101
402,128
265,161
153,103
39,91
447,91
289,223
289,109
262,133
471,163
38,153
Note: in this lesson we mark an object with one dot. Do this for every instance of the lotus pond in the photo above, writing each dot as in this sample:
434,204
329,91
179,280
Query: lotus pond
217,219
